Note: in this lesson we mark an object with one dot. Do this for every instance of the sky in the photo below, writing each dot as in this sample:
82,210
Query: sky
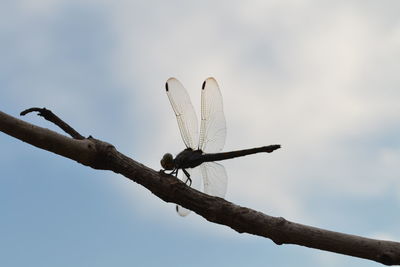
318,77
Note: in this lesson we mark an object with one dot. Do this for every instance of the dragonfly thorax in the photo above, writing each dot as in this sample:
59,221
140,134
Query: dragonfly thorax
188,158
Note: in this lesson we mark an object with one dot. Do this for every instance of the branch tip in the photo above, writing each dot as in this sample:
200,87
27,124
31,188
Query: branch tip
50,116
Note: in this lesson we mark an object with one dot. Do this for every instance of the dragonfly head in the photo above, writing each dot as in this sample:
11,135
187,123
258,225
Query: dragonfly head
167,162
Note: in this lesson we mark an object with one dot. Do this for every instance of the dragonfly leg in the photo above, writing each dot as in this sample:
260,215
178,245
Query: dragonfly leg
188,177
173,172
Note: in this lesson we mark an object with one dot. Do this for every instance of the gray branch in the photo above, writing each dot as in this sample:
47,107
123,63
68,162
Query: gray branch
101,155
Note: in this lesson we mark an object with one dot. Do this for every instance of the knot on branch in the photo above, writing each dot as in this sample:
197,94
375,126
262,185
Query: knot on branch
104,153
280,221
386,258
278,237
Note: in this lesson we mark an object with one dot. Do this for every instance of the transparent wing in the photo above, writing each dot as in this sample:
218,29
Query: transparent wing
214,178
213,125
195,175
184,112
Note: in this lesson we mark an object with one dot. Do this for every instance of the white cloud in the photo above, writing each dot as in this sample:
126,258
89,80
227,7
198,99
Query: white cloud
298,73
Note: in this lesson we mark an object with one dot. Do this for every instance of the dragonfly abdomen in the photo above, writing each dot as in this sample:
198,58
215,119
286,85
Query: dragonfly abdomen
238,153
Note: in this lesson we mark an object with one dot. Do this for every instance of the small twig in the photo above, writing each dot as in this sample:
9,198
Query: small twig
50,116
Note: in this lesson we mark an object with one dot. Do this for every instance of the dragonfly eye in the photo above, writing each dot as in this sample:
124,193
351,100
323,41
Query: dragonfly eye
167,162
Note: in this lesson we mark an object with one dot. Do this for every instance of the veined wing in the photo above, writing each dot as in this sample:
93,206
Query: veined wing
213,125
195,175
215,179
184,112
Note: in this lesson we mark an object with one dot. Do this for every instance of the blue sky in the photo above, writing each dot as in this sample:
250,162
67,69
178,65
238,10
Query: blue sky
319,77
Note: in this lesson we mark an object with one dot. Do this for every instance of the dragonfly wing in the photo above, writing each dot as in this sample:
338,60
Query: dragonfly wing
215,179
182,211
195,175
213,125
184,112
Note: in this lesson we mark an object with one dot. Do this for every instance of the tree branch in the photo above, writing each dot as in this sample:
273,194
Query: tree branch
101,155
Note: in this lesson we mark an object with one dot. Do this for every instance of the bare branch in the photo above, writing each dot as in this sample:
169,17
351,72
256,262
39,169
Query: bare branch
100,155
50,116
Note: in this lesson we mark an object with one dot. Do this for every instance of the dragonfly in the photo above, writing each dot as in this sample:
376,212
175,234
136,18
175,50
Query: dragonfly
203,148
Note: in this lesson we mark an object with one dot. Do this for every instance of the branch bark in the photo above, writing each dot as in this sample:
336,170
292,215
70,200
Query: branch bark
101,155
